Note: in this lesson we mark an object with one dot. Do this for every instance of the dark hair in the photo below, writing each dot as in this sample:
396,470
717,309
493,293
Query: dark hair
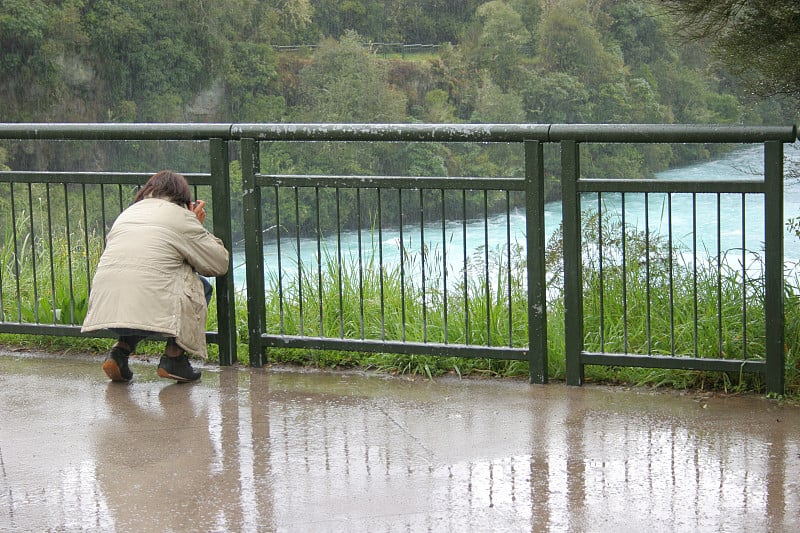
167,185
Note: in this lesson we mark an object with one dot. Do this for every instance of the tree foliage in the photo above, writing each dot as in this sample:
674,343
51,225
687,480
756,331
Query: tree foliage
588,61
344,83
502,39
757,39
496,61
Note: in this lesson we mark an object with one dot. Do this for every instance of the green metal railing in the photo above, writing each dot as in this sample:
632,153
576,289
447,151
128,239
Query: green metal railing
449,333
303,305
52,241
768,283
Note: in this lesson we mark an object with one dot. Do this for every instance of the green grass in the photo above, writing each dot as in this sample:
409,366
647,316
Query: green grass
672,320
379,303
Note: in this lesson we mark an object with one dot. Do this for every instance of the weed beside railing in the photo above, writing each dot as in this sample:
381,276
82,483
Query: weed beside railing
641,328
361,301
647,297
43,279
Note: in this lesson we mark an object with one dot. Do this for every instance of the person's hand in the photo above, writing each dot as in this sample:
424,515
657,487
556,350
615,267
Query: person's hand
197,209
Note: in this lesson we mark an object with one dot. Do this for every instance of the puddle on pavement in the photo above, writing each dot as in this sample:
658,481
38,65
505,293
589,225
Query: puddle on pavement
263,450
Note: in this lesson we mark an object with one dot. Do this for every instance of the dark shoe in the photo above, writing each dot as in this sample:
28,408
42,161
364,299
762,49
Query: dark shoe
116,365
178,368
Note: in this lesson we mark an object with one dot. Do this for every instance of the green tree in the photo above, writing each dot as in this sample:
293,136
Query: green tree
32,40
251,84
428,21
336,17
501,42
438,108
453,72
757,39
344,83
530,12
643,36
570,43
493,106
3,158
276,23
556,97
155,55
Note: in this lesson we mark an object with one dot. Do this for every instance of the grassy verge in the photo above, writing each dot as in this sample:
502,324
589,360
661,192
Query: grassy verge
355,300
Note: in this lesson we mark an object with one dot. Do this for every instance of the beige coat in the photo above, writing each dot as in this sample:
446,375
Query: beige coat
147,275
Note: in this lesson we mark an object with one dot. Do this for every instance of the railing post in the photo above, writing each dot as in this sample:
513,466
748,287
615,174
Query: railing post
253,250
537,279
573,274
773,269
221,197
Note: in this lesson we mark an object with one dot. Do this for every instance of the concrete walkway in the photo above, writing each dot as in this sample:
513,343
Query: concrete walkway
278,450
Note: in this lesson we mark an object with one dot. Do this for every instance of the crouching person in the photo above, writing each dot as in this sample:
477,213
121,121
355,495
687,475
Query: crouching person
149,281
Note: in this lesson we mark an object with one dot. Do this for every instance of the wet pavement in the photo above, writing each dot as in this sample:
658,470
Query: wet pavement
281,450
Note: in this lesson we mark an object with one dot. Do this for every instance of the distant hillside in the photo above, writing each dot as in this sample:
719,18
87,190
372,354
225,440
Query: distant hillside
589,61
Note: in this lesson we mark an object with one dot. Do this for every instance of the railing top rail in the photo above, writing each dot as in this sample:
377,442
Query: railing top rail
633,133
671,133
103,131
630,133
394,132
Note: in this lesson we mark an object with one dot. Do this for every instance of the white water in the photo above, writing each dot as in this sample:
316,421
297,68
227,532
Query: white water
746,163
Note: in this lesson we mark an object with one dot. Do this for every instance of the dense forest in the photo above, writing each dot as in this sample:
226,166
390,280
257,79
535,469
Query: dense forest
429,61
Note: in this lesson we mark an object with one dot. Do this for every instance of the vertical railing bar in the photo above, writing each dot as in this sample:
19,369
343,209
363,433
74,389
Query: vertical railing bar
536,298
444,267
69,258
86,240
380,264
121,206
508,272
16,253
319,261
625,343
402,268
648,296
423,253
671,278
601,273
33,256
773,275
103,212
694,276
339,264
487,288
52,256
2,269
279,250
252,215
744,276
219,166
465,264
719,274
573,284
300,299
360,264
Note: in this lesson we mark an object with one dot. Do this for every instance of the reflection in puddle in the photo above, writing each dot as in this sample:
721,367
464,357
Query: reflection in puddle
258,451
